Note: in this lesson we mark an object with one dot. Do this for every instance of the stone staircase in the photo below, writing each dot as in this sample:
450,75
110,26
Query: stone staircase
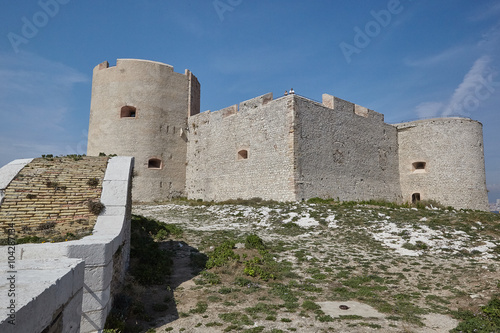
50,196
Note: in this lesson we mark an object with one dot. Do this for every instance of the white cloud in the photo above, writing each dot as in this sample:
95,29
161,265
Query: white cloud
477,86
469,94
428,109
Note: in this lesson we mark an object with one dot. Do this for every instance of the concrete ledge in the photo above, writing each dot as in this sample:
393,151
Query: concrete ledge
44,288
114,192
119,168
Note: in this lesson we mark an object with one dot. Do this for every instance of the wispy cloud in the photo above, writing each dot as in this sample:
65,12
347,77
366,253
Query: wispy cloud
435,59
477,86
485,12
35,94
468,93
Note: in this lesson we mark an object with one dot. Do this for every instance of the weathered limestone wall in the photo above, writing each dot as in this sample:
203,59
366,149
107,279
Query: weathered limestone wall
162,99
345,151
264,129
452,149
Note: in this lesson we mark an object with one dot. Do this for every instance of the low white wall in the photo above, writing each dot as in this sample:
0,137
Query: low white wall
106,250
46,292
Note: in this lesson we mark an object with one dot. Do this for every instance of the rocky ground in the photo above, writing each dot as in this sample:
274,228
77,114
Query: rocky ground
335,268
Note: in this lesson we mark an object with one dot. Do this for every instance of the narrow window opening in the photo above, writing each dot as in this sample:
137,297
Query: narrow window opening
415,197
418,166
154,163
128,112
243,154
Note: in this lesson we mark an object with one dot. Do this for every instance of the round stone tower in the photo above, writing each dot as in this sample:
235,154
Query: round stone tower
443,159
140,108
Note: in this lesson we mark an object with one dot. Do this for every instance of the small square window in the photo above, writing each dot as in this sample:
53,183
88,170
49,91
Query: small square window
128,112
154,163
418,166
243,154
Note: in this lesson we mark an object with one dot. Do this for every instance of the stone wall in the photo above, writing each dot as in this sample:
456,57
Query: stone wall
243,152
295,149
140,108
452,150
344,151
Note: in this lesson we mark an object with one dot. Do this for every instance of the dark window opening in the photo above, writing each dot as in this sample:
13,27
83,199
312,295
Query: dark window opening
415,197
128,112
243,154
418,166
154,163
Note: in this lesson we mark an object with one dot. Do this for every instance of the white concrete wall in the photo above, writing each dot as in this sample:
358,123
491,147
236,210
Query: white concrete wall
109,244
47,291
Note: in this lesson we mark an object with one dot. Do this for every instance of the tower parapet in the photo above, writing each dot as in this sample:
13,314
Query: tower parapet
339,104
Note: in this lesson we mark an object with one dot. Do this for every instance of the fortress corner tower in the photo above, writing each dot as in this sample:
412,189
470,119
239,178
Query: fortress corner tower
443,159
140,108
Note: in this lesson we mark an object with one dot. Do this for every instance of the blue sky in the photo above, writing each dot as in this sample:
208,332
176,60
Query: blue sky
407,59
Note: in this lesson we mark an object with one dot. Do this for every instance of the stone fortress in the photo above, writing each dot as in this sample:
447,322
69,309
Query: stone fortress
287,149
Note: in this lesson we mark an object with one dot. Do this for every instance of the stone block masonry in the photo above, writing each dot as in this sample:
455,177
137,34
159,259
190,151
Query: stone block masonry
52,195
292,148
344,151
243,154
140,108
442,159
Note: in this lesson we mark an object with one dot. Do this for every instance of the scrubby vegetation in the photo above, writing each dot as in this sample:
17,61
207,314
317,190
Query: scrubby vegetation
272,267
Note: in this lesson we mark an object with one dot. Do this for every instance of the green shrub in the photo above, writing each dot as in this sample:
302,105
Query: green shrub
254,242
222,255
317,200
201,307
310,305
486,320
207,278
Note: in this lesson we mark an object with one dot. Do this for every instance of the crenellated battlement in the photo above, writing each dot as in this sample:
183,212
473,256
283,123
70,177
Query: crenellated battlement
339,104
329,101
